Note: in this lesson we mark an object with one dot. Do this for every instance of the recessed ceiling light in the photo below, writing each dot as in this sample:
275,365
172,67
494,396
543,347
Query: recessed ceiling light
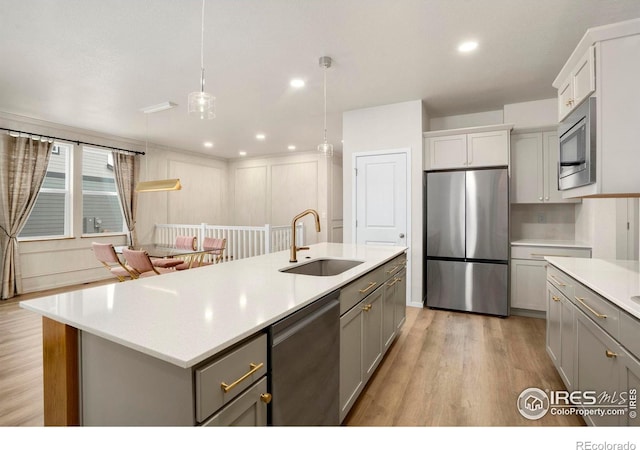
291,147
242,153
260,137
297,83
467,46
208,144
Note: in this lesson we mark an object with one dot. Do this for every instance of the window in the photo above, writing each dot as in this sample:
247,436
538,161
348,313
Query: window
50,214
101,209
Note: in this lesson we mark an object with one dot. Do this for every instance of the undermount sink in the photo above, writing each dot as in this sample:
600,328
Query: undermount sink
324,267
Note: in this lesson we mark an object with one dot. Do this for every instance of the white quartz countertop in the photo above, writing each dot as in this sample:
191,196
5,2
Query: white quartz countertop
616,280
185,317
551,243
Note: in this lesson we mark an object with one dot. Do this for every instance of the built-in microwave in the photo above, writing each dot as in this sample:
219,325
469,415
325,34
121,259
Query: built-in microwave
577,135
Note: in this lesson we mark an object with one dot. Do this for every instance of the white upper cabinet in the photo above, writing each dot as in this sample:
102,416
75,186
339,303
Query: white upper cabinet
580,83
534,168
606,66
467,147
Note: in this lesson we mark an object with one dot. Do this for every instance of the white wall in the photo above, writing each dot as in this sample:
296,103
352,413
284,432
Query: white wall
466,120
275,189
387,127
535,114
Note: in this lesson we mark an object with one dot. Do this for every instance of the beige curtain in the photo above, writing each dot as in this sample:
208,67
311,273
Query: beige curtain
126,178
23,166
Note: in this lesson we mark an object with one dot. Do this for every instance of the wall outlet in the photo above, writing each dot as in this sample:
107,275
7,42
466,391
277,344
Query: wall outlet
542,218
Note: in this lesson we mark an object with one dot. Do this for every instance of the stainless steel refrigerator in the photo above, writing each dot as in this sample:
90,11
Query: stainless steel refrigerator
467,240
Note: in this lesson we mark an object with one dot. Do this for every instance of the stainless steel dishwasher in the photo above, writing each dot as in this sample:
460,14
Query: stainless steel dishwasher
305,365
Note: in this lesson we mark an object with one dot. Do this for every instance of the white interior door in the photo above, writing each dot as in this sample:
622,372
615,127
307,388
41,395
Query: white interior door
381,199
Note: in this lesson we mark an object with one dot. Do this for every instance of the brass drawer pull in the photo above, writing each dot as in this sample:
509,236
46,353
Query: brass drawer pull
395,280
365,290
254,368
266,398
610,354
558,282
555,298
366,308
393,269
593,311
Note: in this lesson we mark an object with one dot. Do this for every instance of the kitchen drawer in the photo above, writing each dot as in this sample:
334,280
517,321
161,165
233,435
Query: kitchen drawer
354,292
561,281
395,266
242,365
630,333
536,252
601,311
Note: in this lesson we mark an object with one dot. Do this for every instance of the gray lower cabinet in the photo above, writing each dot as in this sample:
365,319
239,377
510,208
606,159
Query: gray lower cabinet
248,410
595,346
368,327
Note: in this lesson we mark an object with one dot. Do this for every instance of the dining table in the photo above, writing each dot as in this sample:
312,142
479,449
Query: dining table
165,251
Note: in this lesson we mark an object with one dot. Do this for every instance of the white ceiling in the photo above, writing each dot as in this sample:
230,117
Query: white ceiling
94,64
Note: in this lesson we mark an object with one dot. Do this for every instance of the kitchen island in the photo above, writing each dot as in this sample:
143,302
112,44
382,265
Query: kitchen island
180,320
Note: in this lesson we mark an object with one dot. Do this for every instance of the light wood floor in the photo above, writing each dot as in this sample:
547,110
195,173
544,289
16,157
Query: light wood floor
444,369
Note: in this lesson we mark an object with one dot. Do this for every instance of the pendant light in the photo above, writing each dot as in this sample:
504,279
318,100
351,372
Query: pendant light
172,184
325,148
202,104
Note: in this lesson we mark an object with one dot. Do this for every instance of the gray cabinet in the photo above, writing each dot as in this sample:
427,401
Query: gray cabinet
369,326
594,346
248,410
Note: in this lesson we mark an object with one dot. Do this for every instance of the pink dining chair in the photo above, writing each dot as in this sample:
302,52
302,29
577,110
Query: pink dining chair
140,262
106,254
182,242
210,246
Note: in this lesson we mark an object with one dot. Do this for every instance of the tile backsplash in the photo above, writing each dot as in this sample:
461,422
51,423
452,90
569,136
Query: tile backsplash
550,221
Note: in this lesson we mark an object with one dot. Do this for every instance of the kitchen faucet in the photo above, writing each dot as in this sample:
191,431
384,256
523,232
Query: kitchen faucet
294,249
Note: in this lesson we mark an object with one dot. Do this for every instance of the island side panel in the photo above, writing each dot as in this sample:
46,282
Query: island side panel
60,373
124,387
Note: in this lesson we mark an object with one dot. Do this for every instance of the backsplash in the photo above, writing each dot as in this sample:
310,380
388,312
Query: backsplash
551,221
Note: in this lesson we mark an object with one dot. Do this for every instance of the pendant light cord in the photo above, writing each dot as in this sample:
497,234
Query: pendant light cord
325,103
202,50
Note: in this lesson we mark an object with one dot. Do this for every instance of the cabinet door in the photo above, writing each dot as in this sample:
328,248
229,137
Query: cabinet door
351,363
565,95
401,299
566,360
583,77
247,410
527,168
554,312
528,284
448,151
490,148
388,312
598,367
372,332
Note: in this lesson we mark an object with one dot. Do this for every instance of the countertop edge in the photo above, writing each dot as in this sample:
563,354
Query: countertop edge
550,243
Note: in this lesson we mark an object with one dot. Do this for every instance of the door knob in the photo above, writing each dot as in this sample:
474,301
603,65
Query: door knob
401,235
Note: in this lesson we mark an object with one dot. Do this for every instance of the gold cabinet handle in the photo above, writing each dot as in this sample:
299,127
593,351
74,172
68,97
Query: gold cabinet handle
593,311
555,298
558,282
393,269
372,284
610,354
366,308
391,283
266,398
253,369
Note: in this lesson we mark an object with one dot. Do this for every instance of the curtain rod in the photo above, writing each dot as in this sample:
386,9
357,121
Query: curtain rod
76,141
